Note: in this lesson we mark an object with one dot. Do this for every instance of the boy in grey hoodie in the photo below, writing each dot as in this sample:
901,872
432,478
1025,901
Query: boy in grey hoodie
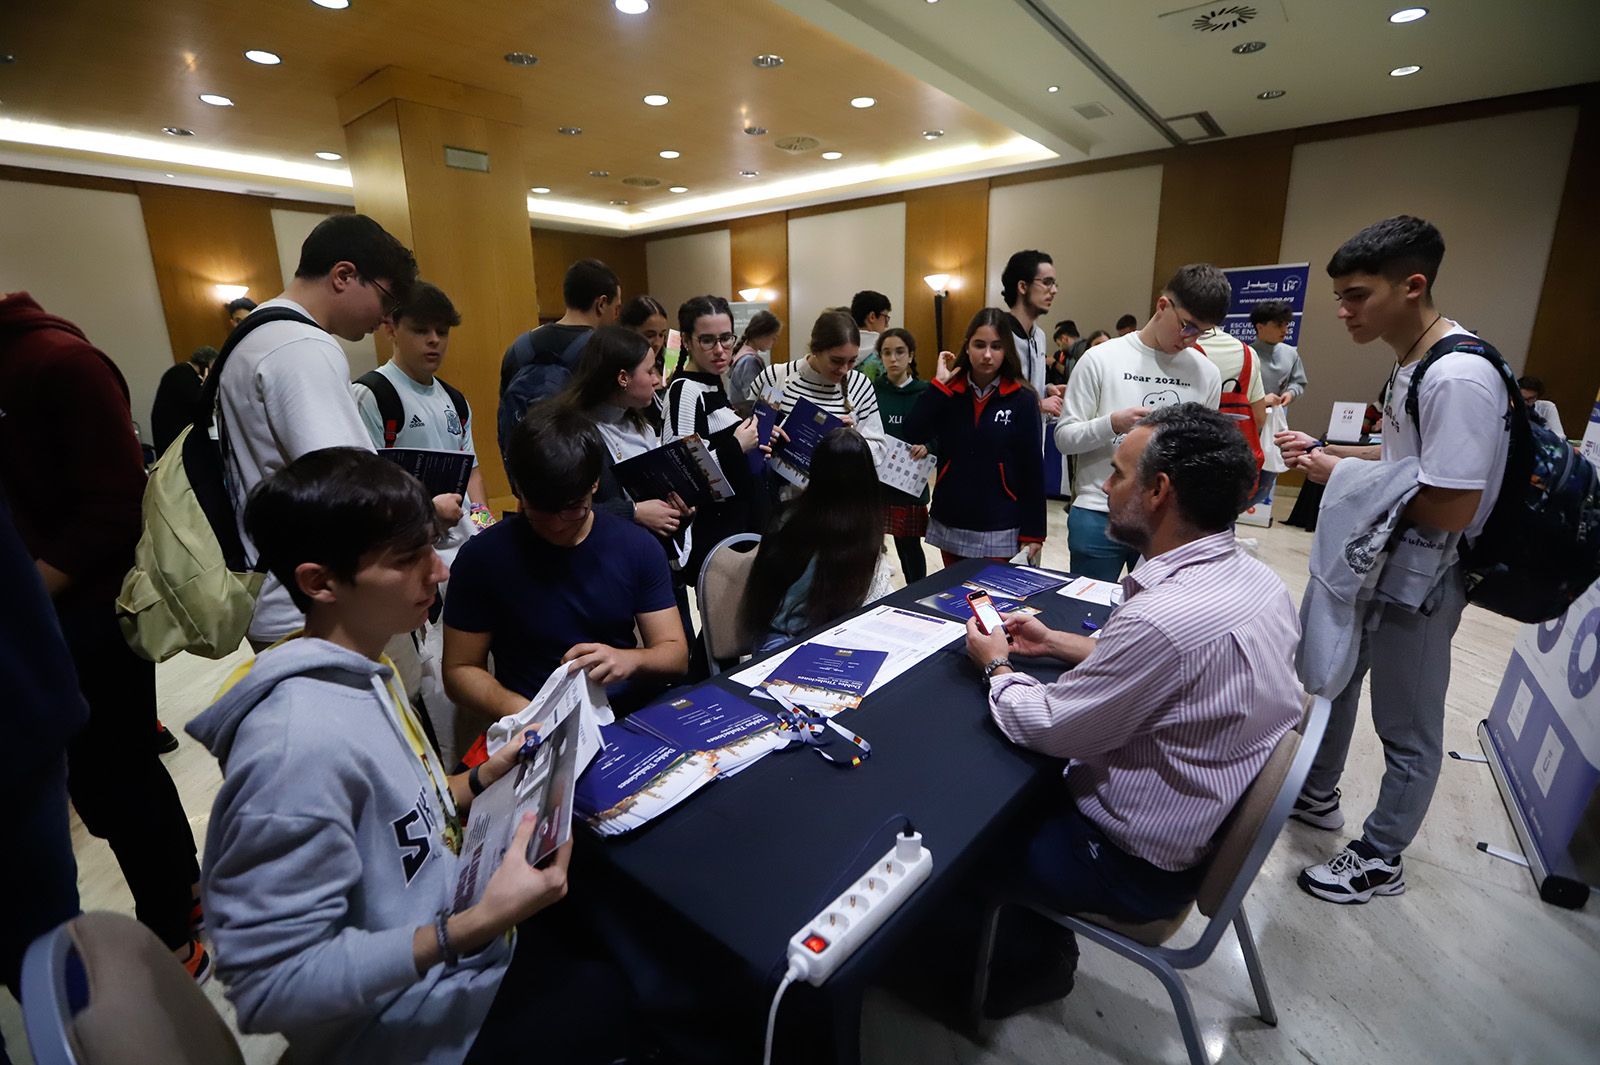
330,861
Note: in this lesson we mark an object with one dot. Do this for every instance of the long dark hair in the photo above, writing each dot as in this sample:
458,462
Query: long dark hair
838,520
612,349
1000,321
911,347
691,311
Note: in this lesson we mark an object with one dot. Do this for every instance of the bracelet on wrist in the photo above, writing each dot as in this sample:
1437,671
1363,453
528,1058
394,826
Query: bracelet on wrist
474,783
441,929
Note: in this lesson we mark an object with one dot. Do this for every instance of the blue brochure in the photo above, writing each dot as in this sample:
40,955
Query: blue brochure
828,678
805,426
766,417
706,718
1016,582
630,762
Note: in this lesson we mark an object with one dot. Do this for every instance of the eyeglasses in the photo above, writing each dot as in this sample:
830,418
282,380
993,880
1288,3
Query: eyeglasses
389,302
706,340
1187,327
1047,282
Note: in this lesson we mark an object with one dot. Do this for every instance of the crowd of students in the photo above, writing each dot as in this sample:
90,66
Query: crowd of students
334,838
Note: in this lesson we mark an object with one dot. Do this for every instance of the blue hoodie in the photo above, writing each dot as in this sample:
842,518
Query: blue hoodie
324,854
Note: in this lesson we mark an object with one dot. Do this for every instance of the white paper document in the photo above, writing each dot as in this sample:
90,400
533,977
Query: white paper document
897,469
1106,593
908,637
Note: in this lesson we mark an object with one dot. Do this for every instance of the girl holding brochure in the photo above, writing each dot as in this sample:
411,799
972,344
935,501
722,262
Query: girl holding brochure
988,497
898,389
825,377
827,558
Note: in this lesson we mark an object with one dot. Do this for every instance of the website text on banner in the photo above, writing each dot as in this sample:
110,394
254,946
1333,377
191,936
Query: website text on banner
1260,284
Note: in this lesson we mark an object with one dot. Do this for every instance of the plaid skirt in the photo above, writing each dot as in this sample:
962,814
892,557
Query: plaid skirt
905,519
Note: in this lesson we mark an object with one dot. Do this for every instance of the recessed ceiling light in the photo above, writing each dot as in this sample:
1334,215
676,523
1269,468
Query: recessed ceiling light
1249,47
1053,88
173,176
599,173
749,173
932,134
330,157
655,99
619,203
539,190
177,131
1270,94
830,156
570,131
755,131
266,59
1405,71
7,57
679,188
668,154
521,59
632,7
766,61
862,102
214,100
332,5
1407,14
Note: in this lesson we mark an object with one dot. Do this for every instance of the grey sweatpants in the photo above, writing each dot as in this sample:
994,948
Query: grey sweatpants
1408,654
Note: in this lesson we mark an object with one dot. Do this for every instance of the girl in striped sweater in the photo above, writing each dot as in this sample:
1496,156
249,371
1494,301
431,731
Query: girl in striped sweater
824,376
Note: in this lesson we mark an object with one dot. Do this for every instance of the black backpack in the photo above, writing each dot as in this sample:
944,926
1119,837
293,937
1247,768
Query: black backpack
542,375
392,411
1540,548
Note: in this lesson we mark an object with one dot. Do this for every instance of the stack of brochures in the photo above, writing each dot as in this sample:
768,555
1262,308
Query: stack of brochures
1007,586
824,678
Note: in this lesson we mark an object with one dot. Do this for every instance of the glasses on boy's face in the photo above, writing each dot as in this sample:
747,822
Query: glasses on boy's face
708,341
1187,327
1045,282
386,299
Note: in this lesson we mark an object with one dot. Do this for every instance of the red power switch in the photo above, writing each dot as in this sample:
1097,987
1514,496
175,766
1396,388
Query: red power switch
816,944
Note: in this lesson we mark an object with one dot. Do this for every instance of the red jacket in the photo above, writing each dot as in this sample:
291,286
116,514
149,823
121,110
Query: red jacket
70,462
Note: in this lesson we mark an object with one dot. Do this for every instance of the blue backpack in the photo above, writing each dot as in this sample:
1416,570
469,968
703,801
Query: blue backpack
1540,548
542,375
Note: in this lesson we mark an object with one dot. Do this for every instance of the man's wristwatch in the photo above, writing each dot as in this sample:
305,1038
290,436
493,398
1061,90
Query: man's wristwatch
998,663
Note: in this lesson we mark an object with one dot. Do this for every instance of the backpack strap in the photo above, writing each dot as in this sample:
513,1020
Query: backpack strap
569,357
390,410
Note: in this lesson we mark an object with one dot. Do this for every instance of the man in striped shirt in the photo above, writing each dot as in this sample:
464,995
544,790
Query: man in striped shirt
1169,715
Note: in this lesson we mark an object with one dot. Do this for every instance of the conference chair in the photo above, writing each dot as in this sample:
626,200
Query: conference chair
101,989
719,592
1243,843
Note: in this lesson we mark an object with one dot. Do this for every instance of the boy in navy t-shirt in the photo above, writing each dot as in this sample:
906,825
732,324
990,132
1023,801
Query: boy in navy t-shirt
561,583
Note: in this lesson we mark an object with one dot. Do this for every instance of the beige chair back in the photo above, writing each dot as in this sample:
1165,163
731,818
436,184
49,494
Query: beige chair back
1243,826
721,592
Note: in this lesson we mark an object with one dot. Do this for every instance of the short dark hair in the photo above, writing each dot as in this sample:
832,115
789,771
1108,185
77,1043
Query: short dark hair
1127,321
1205,456
203,356
867,302
1532,384
1394,248
334,507
357,239
1067,326
586,281
428,305
243,303
1202,290
1020,268
1280,311
553,457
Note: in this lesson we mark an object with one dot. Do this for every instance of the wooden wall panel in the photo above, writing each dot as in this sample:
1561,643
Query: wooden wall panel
556,249
1571,280
1222,203
200,239
759,250
947,232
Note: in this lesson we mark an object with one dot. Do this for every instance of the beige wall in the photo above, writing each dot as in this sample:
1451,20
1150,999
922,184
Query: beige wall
291,229
1099,228
679,268
834,256
1491,185
83,254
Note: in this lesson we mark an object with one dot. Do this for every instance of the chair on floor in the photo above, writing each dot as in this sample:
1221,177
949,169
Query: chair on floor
101,989
719,592
1243,843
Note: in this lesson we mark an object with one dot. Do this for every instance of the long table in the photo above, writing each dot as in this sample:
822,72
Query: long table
741,865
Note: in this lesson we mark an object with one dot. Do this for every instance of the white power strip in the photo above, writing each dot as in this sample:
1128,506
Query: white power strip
824,942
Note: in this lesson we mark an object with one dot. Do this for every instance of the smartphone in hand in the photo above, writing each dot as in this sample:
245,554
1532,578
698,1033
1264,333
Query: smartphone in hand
983,609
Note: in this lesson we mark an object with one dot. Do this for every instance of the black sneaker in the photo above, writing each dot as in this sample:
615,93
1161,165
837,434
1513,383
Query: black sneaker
1045,974
166,742
1319,813
1355,874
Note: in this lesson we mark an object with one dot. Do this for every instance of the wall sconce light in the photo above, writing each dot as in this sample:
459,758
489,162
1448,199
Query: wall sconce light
940,284
750,295
229,293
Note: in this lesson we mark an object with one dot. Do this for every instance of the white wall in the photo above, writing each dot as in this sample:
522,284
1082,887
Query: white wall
83,255
679,268
291,229
1491,185
1100,229
834,256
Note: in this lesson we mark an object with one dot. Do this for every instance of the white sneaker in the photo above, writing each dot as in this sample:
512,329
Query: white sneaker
1355,874
1319,813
